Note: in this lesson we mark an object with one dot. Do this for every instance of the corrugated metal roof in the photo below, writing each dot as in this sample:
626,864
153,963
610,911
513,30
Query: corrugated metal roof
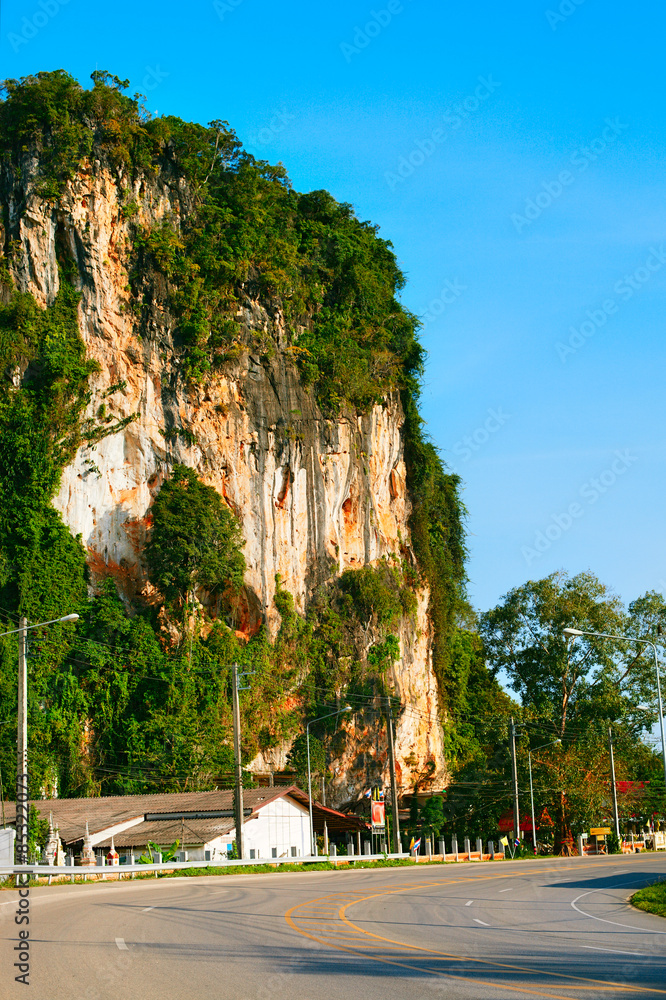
106,812
193,833
70,815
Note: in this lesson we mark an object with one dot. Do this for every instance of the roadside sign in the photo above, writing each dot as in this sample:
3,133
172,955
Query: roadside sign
599,831
378,816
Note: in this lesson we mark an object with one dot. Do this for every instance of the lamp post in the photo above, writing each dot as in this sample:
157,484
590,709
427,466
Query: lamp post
347,708
573,633
22,736
529,762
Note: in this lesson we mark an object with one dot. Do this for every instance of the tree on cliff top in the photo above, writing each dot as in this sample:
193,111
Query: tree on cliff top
195,540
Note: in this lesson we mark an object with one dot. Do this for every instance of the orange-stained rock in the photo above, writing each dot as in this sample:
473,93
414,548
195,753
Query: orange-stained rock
314,495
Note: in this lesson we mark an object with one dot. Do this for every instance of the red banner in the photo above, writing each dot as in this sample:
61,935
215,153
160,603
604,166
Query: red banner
378,816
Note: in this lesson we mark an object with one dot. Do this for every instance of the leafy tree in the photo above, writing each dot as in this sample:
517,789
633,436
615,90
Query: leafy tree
297,760
195,542
571,690
38,830
383,654
613,845
432,816
374,594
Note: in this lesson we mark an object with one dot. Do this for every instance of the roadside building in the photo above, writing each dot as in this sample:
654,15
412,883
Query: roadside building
276,823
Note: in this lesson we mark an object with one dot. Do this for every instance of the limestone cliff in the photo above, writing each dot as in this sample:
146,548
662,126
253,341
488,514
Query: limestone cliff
314,494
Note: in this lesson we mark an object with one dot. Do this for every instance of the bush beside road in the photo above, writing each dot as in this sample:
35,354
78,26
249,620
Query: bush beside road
652,899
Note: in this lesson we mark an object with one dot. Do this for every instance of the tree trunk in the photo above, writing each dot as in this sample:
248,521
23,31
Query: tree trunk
563,835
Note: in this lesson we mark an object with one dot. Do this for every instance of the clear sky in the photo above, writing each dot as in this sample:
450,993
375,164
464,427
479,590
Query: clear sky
511,153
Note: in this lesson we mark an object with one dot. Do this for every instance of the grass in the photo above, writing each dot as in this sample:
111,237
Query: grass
652,899
321,866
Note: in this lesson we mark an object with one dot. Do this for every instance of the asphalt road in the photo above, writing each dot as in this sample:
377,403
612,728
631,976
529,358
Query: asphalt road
548,928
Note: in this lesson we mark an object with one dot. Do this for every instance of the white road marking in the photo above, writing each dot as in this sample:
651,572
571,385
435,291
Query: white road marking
614,951
482,922
615,923
148,909
469,903
510,889
120,942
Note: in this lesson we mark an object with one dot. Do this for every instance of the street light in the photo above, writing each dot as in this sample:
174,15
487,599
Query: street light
529,762
572,633
22,736
338,711
26,628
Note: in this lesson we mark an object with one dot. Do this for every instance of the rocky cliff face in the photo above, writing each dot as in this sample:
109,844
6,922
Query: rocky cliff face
315,496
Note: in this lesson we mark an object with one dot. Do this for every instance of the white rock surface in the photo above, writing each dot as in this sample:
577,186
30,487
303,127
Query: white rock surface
314,496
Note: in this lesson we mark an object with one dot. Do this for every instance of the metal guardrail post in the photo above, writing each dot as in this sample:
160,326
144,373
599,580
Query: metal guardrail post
103,870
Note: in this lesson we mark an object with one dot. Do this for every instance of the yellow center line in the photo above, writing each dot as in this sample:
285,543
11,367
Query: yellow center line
415,969
361,935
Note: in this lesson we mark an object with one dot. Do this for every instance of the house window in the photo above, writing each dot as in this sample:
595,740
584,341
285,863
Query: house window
293,852
274,852
253,855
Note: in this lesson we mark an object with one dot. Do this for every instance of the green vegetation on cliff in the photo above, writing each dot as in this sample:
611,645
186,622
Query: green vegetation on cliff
122,703
244,229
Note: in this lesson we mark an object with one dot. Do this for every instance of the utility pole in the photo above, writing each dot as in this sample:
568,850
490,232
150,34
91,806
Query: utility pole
22,751
323,802
613,785
394,791
238,797
514,769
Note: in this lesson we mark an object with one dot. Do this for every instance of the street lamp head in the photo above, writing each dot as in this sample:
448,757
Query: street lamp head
347,708
68,618
571,633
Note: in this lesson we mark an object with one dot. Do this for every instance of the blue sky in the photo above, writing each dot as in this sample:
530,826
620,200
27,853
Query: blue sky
510,152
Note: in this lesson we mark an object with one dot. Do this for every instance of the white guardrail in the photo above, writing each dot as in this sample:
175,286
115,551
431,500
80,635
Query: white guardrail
57,870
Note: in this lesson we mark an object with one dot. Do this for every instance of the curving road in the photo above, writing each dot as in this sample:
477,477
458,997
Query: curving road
549,928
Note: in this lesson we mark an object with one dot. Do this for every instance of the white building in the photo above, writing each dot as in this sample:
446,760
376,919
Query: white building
276,822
